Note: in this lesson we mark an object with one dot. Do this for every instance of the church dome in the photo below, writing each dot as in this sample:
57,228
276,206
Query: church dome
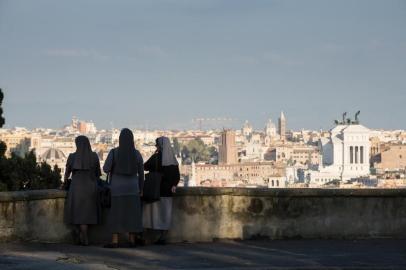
53,154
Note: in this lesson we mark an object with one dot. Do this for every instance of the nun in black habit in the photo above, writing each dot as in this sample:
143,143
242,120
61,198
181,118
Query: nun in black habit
82,208
158,215
125,166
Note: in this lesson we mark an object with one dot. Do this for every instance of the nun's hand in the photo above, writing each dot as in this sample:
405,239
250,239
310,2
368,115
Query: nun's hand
173,189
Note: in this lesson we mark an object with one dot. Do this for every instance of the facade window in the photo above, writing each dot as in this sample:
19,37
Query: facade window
273,183
351,154
361,159
277,183
356,154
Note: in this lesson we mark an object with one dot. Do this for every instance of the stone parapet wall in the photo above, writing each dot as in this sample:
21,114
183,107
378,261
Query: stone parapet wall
206,214
33,216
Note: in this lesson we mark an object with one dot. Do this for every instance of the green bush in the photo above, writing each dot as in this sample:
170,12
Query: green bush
24,173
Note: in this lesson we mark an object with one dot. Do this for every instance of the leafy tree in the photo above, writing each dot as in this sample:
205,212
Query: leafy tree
22,173
48,177
3,167
196,150
213,154
3,149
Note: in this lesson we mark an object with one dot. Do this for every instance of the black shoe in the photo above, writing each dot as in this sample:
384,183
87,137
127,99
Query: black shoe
76,237
84,241
161,242
128,245
111,245
140,242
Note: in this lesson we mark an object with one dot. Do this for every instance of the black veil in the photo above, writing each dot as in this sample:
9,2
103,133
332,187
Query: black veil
127,155
83,154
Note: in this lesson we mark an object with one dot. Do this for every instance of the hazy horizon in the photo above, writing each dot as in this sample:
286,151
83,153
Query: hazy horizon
163,63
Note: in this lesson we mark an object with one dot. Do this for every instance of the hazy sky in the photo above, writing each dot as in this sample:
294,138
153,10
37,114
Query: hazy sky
163,63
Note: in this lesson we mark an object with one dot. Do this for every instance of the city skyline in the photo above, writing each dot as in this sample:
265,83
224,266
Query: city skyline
164,63
207,124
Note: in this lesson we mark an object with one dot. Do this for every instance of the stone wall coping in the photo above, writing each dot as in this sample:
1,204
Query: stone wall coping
30,195
207,191
291,192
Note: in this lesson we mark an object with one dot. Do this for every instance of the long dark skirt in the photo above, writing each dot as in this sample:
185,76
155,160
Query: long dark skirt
125,214
81,204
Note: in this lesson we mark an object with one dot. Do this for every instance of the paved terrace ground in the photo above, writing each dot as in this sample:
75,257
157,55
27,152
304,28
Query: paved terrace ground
253,254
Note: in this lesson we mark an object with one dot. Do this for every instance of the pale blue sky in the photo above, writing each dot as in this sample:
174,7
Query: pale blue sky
166,62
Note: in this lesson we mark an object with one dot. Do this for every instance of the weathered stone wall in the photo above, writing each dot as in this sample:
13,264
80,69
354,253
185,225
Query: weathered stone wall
33,216
206,214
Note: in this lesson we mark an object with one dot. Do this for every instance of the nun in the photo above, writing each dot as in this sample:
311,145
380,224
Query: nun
158,215
125,166
82,208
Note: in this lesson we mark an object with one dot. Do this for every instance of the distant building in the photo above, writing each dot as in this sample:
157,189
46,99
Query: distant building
83,127
253,174
18,142
270,129
252,151
294,154
64,144
345,155
375,146
87,127
54,156
282,127
391,158
247,129
110,137
228,148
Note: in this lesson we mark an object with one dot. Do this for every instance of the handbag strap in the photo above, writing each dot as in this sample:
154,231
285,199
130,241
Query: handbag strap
108,178
156,162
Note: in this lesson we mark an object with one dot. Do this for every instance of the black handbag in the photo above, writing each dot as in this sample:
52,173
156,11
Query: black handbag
152,186
104,192
103,188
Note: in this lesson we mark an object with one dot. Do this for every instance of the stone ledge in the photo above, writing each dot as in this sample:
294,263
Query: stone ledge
32,195
291,192
207,191
203,214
